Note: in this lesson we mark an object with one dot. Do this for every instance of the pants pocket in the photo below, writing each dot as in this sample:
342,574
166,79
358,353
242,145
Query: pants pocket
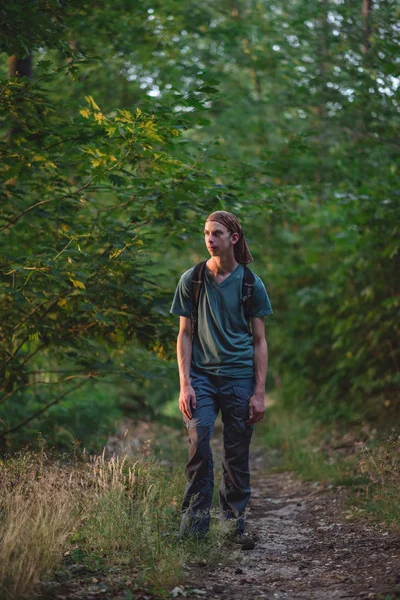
240,409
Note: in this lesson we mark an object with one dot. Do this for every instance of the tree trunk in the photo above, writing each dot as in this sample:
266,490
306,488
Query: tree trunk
366,16
20,67
322,95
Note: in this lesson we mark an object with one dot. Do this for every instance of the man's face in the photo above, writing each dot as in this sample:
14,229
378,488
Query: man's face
218,238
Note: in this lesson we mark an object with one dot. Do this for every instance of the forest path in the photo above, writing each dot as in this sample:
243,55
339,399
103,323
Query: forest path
305,547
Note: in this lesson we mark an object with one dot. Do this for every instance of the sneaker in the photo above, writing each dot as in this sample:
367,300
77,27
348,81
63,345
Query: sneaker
244,541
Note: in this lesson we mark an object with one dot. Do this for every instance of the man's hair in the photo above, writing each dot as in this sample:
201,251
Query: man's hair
241,250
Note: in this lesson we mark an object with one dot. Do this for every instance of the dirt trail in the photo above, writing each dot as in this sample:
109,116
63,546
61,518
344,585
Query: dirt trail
305,548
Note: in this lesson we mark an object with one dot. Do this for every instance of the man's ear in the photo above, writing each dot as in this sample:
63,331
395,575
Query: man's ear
234,238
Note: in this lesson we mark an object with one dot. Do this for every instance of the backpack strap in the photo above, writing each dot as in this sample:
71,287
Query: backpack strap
247,292
197,282
248,284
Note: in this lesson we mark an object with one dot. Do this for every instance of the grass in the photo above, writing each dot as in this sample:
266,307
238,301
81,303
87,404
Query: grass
380,497
116,517
304,448
333,455
38,513
133,514
109,515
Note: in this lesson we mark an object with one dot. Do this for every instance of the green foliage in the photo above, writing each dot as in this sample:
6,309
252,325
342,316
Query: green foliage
26,25
340,297
305,447
308,91
83,201
115,516
142,118
70,423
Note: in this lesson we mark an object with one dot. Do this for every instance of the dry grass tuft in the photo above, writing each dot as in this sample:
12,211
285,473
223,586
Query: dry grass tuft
38,513
381,465
111,508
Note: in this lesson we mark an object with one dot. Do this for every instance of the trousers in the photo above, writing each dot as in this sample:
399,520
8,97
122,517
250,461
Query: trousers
230,396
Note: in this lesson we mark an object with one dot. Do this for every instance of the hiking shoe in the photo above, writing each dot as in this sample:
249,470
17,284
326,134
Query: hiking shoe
245,542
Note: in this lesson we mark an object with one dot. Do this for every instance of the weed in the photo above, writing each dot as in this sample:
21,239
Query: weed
102,513
37,516
327,454
305,447
381,464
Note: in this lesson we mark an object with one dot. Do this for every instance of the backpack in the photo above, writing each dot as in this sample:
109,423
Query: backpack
197,282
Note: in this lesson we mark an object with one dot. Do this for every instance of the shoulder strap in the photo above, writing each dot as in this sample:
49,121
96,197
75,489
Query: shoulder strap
197,282
247,290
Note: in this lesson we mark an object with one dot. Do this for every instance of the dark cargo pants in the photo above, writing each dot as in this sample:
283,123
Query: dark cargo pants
231,396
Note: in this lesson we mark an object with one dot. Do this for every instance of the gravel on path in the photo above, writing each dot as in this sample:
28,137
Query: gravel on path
305,548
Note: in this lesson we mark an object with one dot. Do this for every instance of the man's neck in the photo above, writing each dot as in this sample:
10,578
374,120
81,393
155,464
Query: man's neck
222,265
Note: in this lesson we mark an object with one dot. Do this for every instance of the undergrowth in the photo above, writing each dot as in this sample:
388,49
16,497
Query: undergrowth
305,447
102,513
334,454
380,497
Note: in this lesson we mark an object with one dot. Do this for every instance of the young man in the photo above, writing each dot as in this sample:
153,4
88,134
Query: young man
222,366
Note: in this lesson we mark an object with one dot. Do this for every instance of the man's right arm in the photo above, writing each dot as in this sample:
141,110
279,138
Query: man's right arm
187,396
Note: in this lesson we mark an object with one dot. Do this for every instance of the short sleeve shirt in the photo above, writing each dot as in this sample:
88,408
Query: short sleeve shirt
223,344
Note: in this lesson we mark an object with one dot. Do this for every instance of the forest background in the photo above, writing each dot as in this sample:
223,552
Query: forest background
122,126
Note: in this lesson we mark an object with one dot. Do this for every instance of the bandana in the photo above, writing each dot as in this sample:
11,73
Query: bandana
240,249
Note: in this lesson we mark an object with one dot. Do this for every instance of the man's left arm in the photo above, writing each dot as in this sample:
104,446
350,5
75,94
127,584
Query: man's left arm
257,403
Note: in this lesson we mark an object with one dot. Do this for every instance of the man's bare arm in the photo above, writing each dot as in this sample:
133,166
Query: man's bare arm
257,403
187,396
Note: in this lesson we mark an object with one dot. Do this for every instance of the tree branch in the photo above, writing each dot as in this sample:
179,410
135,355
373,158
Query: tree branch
41,411
2,400
84,187
24,212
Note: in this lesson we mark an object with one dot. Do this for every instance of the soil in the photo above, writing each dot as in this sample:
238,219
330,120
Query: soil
307,547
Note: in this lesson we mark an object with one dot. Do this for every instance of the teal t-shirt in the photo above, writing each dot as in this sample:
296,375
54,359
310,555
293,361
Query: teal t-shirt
223,345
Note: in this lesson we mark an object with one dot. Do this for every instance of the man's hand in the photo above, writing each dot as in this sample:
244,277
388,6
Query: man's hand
256,408
187,400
